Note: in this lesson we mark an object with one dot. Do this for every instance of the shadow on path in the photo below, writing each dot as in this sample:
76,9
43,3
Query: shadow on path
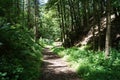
55,68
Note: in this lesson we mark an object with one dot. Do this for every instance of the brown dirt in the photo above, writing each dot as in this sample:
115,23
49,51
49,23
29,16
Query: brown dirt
55,68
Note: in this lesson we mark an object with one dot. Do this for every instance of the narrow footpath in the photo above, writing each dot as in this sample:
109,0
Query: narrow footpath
55,68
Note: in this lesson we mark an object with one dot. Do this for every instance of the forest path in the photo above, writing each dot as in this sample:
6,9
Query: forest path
55,68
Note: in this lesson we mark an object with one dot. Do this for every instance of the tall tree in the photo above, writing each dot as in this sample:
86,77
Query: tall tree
36,18
29,14
108,31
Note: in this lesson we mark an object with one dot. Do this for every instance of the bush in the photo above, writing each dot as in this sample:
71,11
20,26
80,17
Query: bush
20,56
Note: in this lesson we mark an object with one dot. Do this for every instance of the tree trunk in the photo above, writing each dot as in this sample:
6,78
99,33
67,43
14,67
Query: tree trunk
94,23
108,25
99,25
23,15
28,14
36,4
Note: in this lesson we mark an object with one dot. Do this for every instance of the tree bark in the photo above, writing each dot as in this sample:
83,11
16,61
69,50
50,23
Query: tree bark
36,4
108,32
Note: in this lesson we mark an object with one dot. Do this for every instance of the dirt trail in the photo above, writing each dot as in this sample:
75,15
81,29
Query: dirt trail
55,68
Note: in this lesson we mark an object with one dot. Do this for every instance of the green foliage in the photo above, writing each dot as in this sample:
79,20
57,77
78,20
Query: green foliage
115,3
91,65
20,56
45,42
58,50
50,25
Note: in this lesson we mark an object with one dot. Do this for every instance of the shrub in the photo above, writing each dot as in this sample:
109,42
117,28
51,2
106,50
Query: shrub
20,56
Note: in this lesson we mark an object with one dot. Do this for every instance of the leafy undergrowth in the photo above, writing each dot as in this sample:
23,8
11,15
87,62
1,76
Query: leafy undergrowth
20,56
92,65
46,42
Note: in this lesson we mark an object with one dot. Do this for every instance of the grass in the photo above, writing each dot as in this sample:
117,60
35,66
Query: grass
91,65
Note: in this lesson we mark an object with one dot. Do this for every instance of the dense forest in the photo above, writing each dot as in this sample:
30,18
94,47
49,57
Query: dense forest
88,30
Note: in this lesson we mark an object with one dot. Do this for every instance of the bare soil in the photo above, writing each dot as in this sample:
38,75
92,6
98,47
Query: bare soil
55,68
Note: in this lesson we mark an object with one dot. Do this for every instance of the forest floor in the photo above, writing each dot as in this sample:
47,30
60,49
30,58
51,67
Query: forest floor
56,68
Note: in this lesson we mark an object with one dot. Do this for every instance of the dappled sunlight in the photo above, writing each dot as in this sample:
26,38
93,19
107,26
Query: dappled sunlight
49,46
91,65
89,36
59,40
55,68
57,44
